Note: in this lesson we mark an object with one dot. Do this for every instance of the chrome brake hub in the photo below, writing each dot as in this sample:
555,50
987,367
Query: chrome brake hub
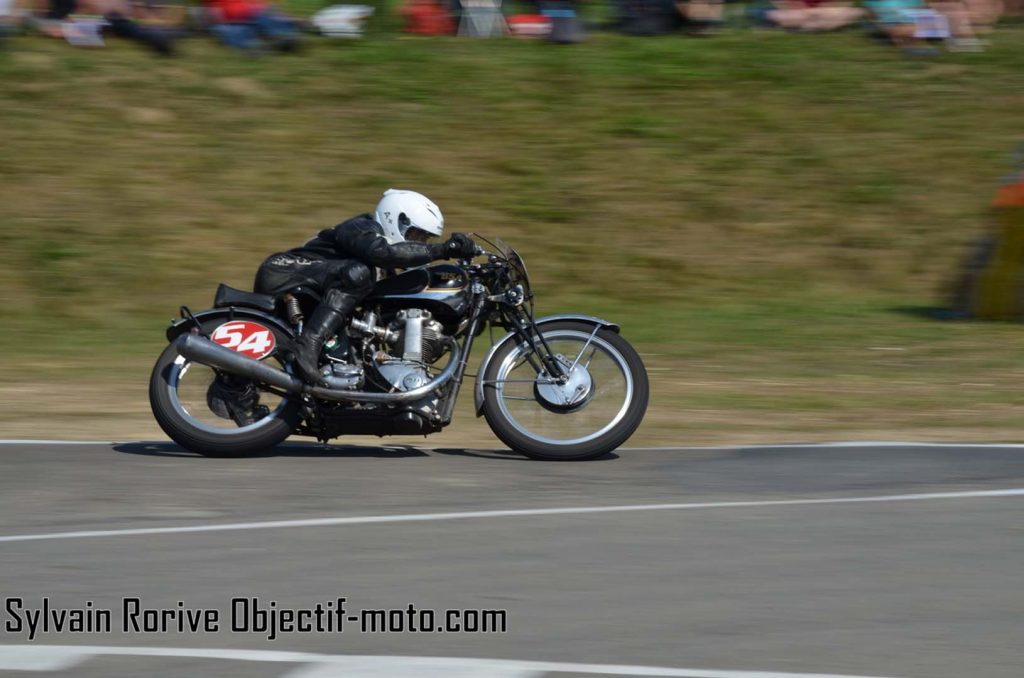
574,392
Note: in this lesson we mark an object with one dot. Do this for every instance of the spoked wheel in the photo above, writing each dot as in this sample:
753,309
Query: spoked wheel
213,413
593,412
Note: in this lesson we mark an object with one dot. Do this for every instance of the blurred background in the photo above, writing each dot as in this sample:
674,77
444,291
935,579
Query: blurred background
774,200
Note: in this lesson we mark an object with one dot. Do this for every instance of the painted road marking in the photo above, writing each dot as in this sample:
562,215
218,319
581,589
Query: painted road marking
515,513
367,666
408,667
39,657
57,442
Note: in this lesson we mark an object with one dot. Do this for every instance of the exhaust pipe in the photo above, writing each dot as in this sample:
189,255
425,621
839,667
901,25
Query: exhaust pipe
202,350
401,396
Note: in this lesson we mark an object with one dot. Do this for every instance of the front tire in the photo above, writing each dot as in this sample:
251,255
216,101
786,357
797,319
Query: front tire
595,413
199,431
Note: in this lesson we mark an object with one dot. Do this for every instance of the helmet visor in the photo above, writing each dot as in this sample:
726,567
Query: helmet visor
417,234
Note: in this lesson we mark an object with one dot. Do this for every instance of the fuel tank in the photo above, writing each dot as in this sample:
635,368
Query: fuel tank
442,289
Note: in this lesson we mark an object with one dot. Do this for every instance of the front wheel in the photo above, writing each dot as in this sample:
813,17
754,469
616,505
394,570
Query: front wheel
593,412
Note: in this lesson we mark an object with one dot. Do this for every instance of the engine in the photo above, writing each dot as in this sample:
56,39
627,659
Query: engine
399,353
420,336
389,357
416,340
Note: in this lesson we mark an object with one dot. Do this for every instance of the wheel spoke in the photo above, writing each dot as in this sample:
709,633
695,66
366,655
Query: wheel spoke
584,347
219,403
587,364
591,402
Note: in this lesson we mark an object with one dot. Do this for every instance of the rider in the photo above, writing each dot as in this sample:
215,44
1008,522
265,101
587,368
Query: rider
339,262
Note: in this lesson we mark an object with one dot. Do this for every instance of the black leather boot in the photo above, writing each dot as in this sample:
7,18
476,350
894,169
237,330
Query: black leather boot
328,317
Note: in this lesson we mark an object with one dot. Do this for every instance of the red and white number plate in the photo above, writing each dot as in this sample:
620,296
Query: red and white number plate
248,338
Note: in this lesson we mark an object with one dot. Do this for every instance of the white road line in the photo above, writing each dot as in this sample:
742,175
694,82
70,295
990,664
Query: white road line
12,441
39,657
366,666
515,513
408,667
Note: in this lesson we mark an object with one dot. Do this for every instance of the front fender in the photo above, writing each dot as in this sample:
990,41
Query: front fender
179,327
478,391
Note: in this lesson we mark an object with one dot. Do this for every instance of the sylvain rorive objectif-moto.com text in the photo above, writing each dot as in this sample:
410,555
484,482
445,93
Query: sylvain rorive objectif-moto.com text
247,614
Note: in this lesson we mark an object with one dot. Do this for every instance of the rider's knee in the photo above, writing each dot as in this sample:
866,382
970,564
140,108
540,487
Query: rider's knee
356,276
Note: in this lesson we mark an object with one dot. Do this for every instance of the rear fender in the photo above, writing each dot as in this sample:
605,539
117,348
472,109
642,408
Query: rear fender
179,327
478,392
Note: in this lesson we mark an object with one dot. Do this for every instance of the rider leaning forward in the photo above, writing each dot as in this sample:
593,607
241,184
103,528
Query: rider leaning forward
340,264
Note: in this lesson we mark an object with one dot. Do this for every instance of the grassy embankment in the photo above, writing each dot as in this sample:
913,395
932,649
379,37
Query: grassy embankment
761,211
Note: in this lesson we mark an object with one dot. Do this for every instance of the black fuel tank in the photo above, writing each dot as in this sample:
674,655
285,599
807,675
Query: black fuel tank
447,277
409,282
443,290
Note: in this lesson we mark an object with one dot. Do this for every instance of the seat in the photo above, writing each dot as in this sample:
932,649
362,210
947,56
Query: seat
229,296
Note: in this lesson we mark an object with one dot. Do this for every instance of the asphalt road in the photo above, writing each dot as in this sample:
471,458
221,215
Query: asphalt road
754,564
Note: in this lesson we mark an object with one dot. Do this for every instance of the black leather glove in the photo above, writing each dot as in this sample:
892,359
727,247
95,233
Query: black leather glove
459,246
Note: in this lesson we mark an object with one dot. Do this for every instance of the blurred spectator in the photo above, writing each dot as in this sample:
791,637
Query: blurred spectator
703,17
915,26
58,19
481,19
810,16
895,21
427,17
342,21
171,14
645,17
961,28
984,13
654,17
8,20
529,25
566,27
251,25
968,18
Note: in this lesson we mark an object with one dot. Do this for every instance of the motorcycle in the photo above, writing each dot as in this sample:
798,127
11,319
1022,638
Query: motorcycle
561,387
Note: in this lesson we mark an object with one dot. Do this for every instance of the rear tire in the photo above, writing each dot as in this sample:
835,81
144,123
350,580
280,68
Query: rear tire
503,423
244,441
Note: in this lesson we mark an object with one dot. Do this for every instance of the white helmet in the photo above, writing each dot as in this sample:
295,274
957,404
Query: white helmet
398,211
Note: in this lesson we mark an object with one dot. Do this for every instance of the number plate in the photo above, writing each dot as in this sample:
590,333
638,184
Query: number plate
248,338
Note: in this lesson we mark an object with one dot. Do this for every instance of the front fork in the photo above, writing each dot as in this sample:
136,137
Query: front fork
455,383
521,323
516,321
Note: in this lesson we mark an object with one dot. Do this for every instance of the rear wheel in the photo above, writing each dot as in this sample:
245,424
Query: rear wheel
217,414
593,412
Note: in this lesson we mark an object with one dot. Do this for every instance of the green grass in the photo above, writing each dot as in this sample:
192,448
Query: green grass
756,207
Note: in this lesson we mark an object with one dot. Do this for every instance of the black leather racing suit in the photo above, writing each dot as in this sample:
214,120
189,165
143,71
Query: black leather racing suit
339,263
344,258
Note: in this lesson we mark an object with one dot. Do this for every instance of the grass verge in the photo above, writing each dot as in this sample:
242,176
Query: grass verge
765,213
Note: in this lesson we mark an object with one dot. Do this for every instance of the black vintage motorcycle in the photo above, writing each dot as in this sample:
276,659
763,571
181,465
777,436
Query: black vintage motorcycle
563,387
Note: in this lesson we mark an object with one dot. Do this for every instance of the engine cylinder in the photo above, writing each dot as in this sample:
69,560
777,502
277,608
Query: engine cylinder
421,337
432,346
412,336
